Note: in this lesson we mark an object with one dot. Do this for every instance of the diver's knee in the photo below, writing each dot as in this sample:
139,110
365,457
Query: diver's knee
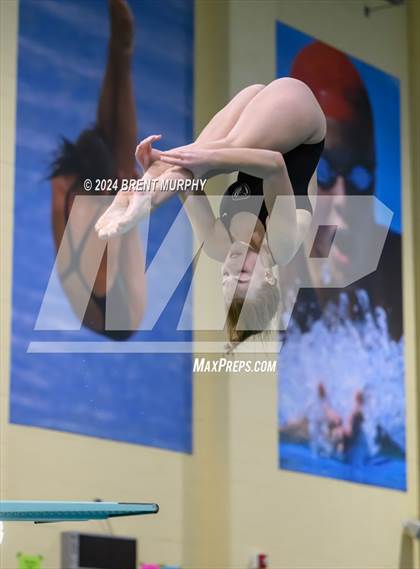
258,86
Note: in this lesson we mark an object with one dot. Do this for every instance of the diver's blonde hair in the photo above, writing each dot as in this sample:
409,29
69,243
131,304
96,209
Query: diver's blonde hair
253,316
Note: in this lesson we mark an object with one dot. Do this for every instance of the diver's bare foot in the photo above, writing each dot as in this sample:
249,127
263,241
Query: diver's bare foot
122,26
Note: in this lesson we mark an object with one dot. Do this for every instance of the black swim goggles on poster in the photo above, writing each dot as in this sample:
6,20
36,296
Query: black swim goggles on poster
358,179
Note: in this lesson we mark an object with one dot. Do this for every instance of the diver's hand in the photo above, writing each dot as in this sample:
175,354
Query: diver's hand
145,153
198,161
127,209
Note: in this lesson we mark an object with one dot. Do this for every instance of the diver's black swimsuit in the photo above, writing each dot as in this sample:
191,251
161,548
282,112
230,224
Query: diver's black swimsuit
301,163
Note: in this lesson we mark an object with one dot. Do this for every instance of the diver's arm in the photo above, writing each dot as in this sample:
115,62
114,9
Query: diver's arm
253,161
209,162
285,228
149,158
284,225
287,225
129,207
209,230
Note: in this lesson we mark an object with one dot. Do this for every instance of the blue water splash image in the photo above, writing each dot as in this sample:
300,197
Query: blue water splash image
345,358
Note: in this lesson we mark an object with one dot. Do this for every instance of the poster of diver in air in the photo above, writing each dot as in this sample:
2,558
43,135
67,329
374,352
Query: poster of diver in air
92,82
341,400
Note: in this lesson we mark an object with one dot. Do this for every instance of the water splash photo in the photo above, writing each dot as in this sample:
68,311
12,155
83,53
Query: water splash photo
342,400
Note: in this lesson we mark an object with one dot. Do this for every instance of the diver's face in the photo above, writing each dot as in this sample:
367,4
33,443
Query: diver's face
346,168
243,272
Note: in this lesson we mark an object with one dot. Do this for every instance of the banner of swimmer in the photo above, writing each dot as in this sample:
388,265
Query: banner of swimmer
341,409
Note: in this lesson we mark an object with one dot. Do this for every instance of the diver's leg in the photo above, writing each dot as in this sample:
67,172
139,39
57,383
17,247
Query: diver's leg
117,117
116,113
126,210
223,121
280,117
215,132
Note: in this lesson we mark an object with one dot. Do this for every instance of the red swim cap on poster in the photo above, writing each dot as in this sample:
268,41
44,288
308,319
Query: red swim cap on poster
333,79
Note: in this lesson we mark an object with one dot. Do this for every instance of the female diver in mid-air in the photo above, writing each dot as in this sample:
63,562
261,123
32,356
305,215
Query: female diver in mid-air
273,135
101,152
